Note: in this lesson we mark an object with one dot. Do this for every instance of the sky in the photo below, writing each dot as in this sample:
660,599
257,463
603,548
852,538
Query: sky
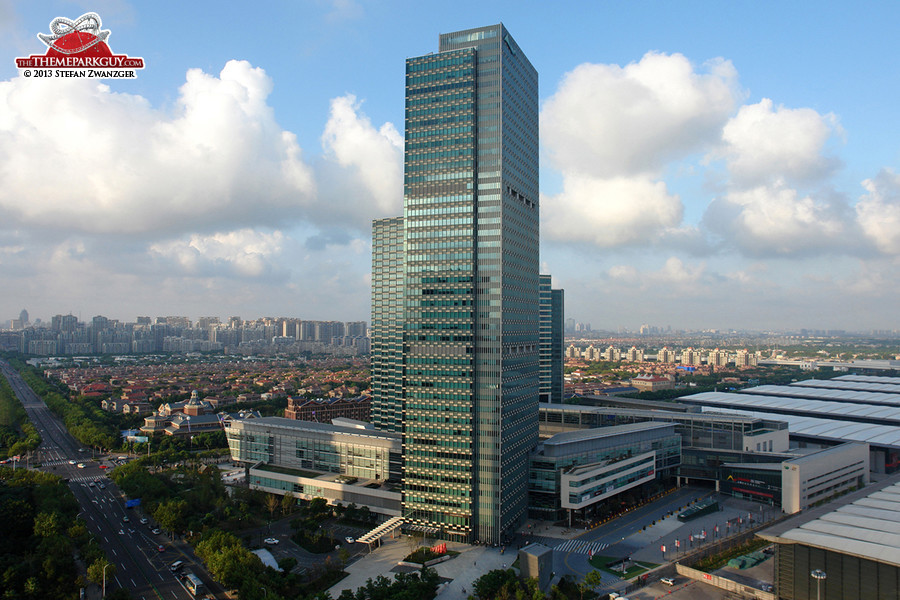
704,165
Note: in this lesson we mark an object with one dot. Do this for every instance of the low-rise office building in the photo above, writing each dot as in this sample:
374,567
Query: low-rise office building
742,455
579,470
822,475
345,461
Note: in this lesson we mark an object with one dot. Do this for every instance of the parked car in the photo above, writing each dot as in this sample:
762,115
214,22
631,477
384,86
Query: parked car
155,532
667,580
349,540
271,541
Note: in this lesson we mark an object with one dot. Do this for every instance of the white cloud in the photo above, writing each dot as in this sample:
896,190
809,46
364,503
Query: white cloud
677,273
612,121
86,159
777,220
613,130
763,142
610,212
375,155
878,212
244,252
674,273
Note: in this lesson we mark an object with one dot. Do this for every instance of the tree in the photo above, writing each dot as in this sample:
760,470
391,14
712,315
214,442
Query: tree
271,504
227,559
171,514
287,503
489,585
95,570
46,524
344,556
591,580
414,539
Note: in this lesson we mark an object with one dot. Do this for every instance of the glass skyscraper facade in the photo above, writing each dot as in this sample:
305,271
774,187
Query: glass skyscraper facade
552,342
469,368
387,323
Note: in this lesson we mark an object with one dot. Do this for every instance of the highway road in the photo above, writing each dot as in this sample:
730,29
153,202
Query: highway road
141,566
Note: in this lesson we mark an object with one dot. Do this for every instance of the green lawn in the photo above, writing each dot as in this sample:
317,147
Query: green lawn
635,569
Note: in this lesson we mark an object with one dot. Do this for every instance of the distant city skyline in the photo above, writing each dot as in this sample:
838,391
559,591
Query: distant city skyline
691,176
638,328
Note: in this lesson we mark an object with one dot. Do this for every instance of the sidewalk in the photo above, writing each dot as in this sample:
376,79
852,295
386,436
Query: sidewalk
666,531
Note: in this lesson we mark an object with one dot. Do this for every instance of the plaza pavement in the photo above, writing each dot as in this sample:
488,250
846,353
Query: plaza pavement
462,570
475,561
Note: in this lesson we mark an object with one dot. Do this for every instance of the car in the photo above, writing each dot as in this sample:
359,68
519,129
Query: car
768,587
125,519
271,541
349,540
80,465
176,566
161,548
104,466
155,532
71,462
143,520
91,484
101,486
667,580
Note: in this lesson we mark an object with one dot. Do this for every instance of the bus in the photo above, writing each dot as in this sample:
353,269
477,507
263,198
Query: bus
193,584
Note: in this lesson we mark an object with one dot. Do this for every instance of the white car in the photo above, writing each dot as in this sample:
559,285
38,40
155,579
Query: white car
80,465
667,580
71,462
349,540
271,541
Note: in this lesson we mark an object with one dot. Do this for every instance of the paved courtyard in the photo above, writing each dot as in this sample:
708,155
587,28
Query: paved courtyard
637,536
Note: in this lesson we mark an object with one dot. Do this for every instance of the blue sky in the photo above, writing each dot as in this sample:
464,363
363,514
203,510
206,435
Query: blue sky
704,164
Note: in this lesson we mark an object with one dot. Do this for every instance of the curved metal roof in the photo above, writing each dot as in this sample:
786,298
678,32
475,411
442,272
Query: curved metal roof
830,430
868,528
824,393
842,411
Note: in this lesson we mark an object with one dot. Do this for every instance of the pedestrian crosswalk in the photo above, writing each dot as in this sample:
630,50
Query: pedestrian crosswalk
580,547
86,478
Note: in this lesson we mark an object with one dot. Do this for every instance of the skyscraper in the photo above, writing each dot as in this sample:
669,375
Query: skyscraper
469,368
552,338
387,324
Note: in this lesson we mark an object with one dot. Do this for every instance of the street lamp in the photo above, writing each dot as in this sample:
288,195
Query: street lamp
819,576
104,578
